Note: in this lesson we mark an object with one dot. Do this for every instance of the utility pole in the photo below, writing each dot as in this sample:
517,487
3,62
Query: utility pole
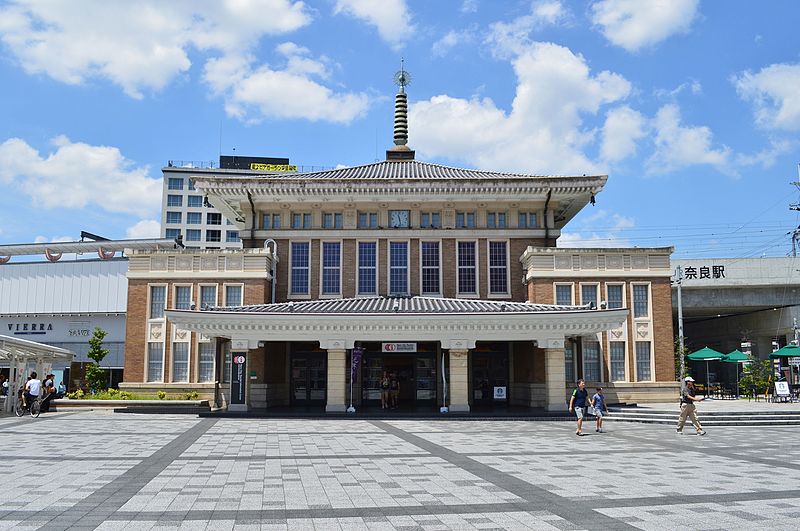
678,281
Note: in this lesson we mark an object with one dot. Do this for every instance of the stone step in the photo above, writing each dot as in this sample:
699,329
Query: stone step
731,421
705,413
720,417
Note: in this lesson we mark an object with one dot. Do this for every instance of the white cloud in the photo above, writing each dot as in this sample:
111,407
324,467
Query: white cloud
52,239
774,93
598,238
623,128
509,39
256,92
693,86
390,17
450,40
678,146
469,6
634,24
78,175
767,157
139,45
543,132
146,228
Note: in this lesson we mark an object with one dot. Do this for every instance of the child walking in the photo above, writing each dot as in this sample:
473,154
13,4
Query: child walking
600,408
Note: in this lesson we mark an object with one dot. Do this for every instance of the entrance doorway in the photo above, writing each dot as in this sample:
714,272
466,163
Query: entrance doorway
490,375
308,379
415,373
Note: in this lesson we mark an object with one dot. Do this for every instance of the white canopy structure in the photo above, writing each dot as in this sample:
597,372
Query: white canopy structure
22,354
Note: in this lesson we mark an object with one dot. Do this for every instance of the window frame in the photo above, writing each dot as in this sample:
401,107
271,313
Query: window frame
171,198
170,180
147,362
422,292
191,198
200,293
476,267
498,294
169,218
188,362
307,294
584,344
225,286
175,295
649,313
214,214
650,361
375,269
596,286
571,293
193,231
213,346
608,297
218,236
322,293
389,267
466,216
624,361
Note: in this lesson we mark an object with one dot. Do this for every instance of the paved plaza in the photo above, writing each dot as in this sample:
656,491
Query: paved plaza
96,470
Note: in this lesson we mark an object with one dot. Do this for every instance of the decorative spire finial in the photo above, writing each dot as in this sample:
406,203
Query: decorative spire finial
401,151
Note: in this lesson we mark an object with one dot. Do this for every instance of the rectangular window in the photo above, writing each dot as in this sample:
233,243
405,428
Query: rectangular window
205,362
276,221
589,294
643,361
180,362
527,221
429,252
591,361
213,236
194,201
465,220
271,221
430,220
467,268
300,264
183,297
498,268
174,200
191,184
208,296
367,220
564,294
367,268
172,233
301,221
331,220
226,362
158,301
331,268
569,361
640,300
192,235
233,295
194,218
173,217
155,362
614,296
617,361
496,220
232,236
398,268
175,183
213,218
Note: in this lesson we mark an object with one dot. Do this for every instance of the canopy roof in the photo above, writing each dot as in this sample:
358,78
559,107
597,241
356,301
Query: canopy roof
705,354
789,351
11,347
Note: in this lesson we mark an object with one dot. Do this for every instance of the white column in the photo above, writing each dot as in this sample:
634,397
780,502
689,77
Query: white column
337,359
459,380
555,375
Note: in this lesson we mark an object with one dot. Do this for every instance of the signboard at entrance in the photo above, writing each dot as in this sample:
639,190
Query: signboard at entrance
500,393
238,379
398,347
782,389
794,361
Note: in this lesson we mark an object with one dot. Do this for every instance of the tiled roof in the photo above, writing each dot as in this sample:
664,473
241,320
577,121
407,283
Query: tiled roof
411,169
401,305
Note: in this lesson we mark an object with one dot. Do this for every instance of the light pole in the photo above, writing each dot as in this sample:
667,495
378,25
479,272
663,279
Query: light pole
355,360
678,281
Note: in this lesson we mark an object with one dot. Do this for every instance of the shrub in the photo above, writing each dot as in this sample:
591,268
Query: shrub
192,395
161,395
75,395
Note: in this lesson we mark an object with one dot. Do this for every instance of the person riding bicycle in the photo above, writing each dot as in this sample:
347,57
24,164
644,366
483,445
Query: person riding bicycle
32,390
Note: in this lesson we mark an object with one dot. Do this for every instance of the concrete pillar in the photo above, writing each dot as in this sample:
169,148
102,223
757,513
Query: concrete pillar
555,376
337,392
459,380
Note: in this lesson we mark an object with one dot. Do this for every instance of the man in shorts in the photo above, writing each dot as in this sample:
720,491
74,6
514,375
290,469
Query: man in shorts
577,402
32,390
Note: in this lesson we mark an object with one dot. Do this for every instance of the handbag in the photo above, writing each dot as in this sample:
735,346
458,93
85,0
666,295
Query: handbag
590,410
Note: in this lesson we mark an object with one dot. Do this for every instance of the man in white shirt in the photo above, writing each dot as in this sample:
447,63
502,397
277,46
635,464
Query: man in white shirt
32,390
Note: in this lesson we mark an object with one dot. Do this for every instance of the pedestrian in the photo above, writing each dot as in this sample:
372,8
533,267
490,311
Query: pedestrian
49,392
394,389
62,390
385,390
688,409
3,385
577,402
600,408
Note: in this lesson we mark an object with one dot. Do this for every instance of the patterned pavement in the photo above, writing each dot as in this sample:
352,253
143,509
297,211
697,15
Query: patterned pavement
96,470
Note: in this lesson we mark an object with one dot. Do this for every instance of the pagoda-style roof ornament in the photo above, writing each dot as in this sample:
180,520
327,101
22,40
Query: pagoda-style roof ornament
401,151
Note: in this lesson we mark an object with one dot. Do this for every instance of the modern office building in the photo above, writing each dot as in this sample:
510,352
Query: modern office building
448,278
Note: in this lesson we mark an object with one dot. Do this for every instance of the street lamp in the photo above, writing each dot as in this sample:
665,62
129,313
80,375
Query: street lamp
678,281
355,361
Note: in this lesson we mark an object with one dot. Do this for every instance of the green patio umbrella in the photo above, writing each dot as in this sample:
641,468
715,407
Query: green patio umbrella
789,351
738,357
706,354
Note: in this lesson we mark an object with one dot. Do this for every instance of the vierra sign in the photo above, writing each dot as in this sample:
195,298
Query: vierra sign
398,347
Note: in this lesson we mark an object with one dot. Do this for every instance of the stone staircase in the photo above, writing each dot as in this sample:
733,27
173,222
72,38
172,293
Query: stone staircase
713,418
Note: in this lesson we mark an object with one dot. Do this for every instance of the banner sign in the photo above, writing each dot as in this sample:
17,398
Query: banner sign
238,378
355,361
398,347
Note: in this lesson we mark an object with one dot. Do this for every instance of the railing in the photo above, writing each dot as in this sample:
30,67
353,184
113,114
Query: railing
210,165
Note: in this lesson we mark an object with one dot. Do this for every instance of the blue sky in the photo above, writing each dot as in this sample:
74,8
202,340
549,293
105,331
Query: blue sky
691,107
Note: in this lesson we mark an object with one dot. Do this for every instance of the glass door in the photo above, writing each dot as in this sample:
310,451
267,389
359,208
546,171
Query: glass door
308,379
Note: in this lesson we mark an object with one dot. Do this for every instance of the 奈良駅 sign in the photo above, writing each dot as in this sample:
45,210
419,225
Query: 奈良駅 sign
701,272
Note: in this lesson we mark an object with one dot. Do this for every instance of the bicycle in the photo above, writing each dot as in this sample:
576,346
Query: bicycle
35,408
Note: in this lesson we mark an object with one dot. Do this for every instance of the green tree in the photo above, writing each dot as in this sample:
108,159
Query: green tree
755,376
95,376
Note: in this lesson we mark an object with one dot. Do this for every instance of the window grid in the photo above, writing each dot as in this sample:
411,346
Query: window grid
172,233
467,277
175,183
194,218
498,268
614,296
208,296
367,268
367,220
226,362
155,362
331,268
213,236
194,201
180,362
174,217
430,268
174,200
643,373
496,220
589,294
213,218
569,362
617,361
233,295
232,236
300,263
158,301
563,294
465,220
640,300
431,220
331,221
183,297
591,361
192,235
205,362
398,268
